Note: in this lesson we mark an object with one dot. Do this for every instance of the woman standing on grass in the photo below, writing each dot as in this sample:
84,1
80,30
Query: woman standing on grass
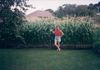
58,34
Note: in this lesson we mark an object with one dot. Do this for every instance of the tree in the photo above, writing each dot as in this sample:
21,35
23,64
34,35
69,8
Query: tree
11,15
97,7
60,12
51,11
91,6
69,9
77,10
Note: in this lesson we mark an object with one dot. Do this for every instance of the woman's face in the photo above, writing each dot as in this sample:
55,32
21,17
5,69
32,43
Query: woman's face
57,27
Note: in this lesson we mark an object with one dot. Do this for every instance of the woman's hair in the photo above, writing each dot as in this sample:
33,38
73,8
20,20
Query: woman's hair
57,26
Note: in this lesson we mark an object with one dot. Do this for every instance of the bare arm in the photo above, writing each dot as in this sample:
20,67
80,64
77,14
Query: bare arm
52,31
62,32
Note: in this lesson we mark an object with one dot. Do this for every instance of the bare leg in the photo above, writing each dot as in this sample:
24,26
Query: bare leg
57,44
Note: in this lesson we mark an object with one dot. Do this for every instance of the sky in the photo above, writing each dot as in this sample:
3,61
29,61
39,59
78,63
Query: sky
54,4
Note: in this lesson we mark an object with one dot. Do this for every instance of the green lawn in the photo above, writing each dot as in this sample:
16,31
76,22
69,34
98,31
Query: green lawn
48,59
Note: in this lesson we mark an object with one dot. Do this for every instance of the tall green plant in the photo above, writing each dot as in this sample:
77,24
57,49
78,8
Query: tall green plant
74,32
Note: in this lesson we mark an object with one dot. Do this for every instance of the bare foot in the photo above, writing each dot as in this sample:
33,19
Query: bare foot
59,49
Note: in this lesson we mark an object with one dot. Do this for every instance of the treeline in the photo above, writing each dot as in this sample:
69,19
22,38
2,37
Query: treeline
76,10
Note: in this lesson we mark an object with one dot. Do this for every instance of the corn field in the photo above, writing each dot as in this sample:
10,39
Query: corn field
75,32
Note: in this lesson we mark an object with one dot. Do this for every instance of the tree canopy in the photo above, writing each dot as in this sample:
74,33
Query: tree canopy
11,17
77,10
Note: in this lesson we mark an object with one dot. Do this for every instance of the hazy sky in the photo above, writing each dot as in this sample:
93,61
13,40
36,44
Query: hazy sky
54,4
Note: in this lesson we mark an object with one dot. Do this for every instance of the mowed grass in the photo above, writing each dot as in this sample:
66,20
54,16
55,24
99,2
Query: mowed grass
48,59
